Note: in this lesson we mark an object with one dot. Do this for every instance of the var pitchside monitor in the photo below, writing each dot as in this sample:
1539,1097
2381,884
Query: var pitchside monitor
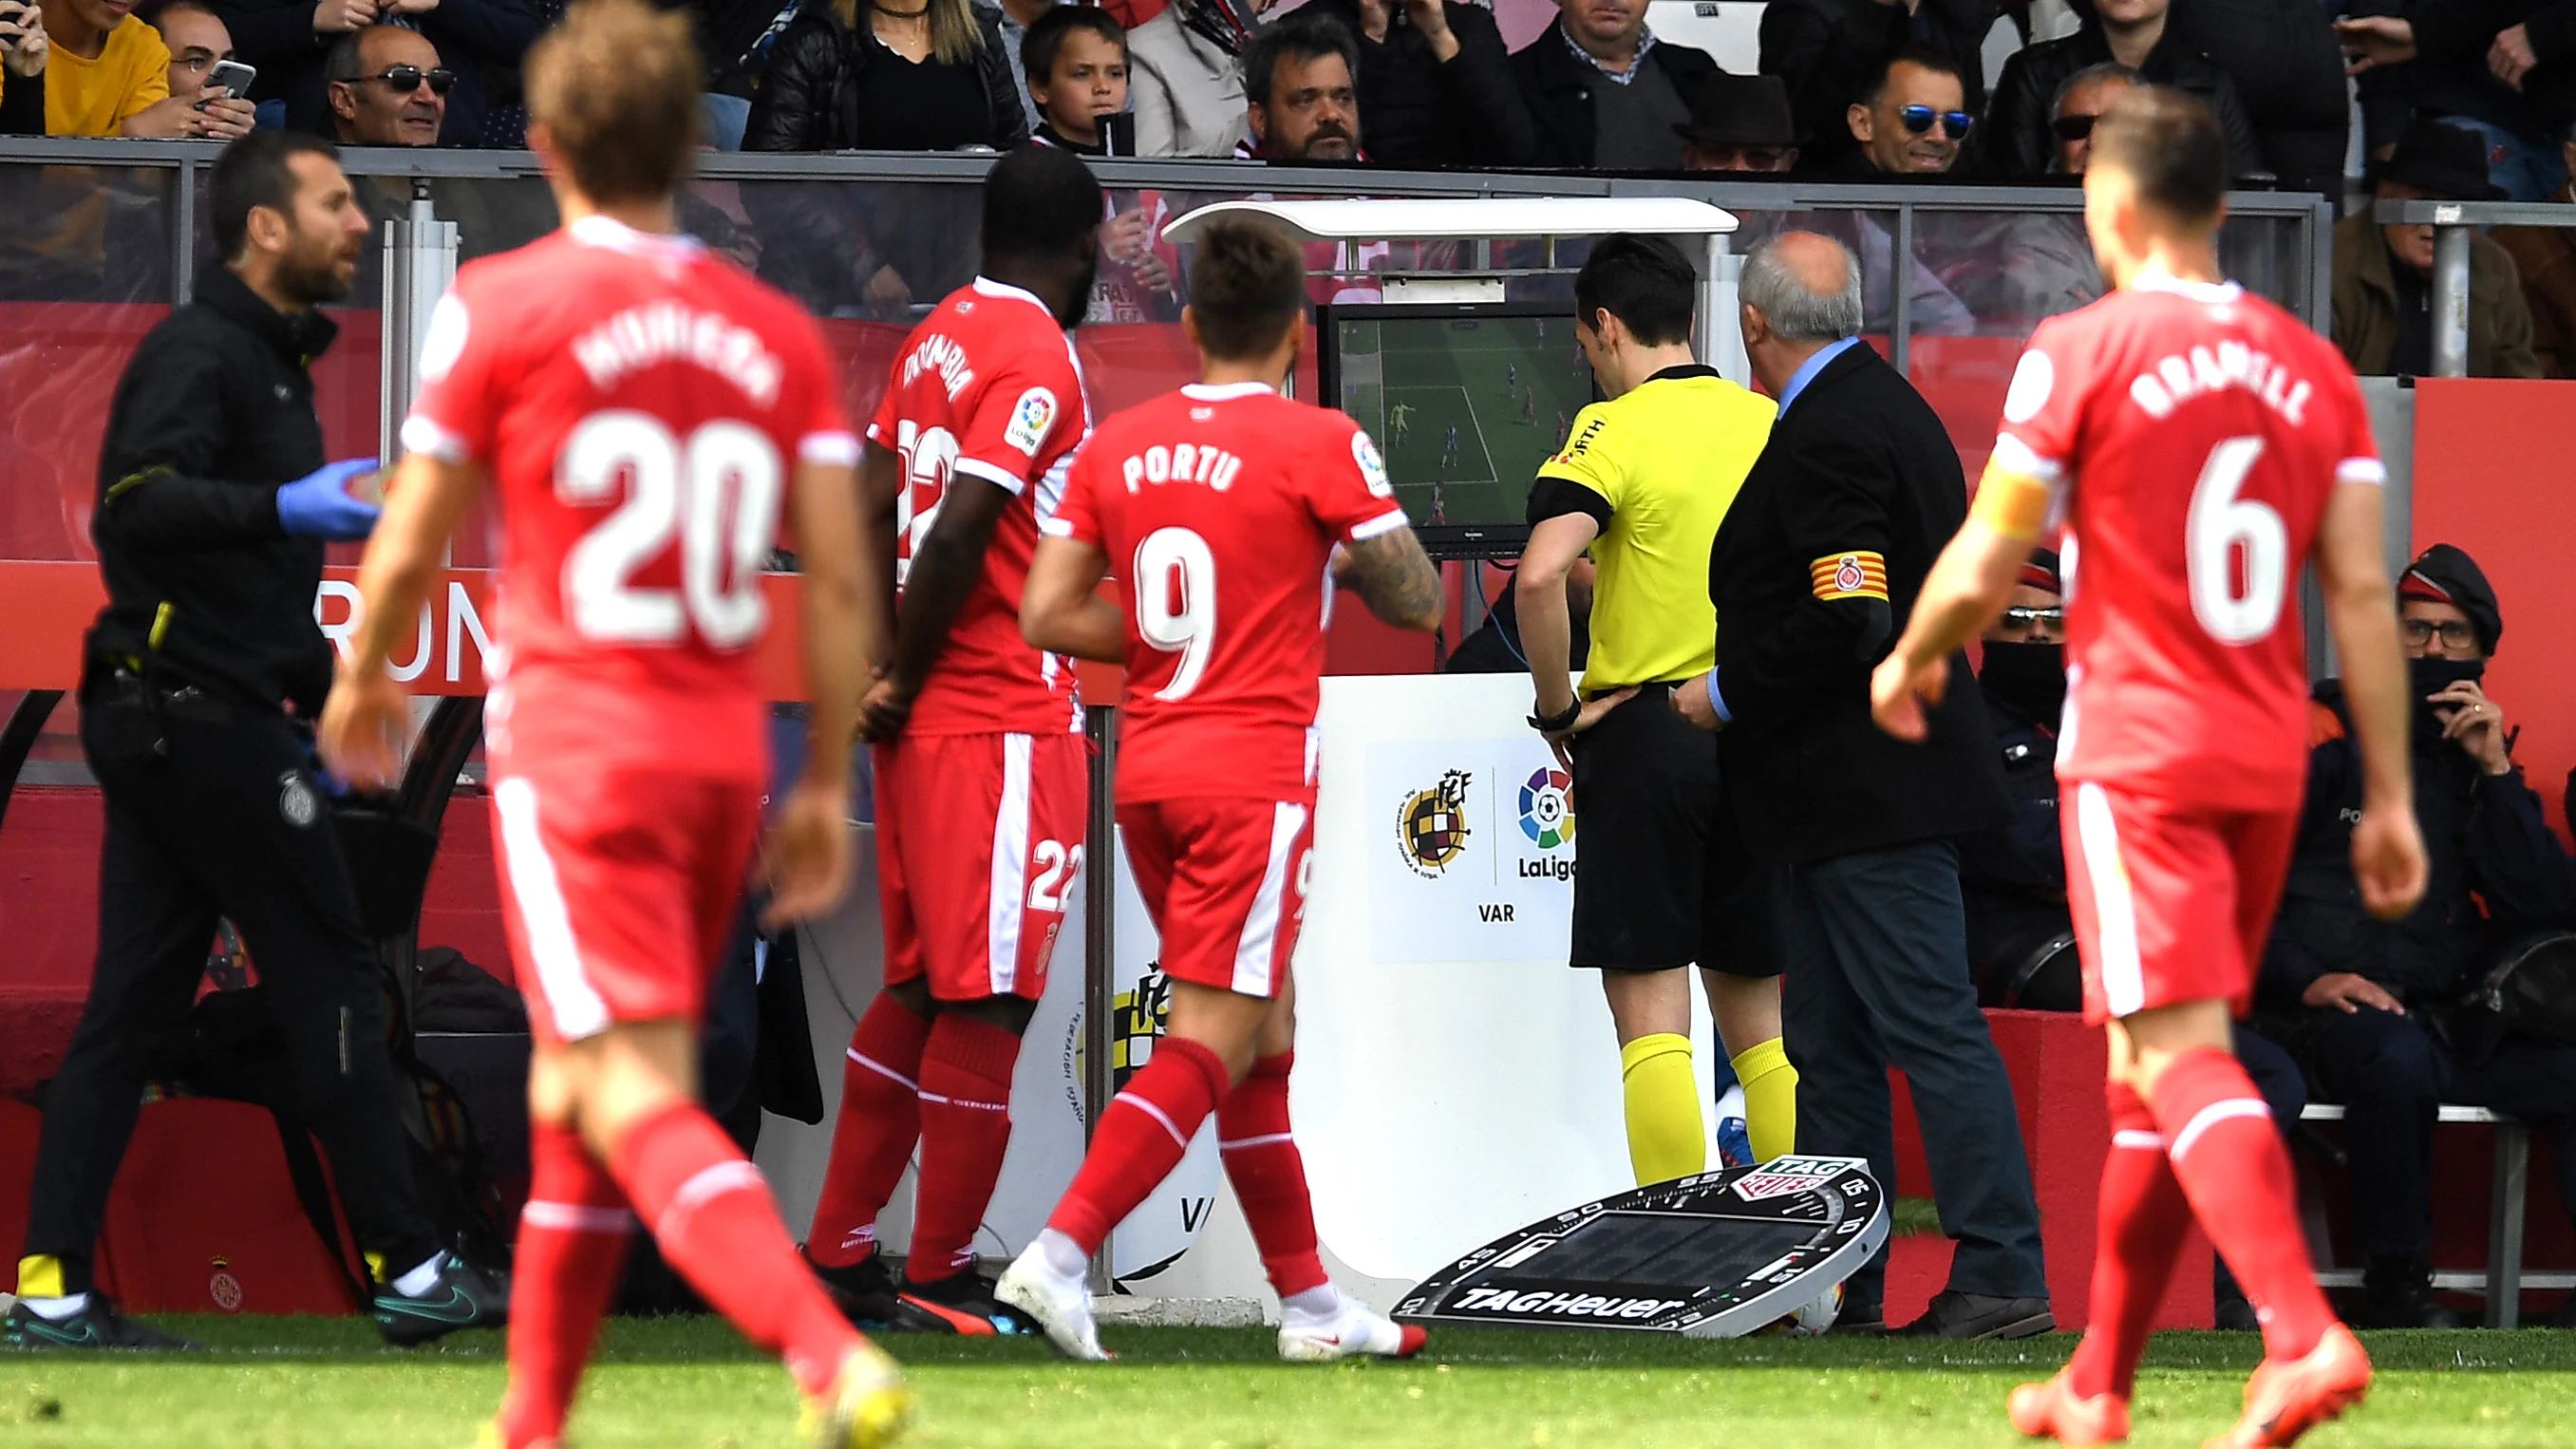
1465,402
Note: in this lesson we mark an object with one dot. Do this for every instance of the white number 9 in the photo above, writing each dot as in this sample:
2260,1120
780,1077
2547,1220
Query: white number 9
1175,561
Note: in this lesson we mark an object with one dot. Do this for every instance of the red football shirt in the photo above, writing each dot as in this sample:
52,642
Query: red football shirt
988,386
1219,507
639,403
2197,433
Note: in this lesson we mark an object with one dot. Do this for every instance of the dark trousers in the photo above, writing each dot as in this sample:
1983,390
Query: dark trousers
2391,1075
1876,946
227,824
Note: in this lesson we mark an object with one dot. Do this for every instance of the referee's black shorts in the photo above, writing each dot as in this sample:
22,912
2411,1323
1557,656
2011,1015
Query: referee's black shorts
1662,878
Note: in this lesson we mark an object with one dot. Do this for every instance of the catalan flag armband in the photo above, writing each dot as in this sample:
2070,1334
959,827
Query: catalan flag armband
1857,575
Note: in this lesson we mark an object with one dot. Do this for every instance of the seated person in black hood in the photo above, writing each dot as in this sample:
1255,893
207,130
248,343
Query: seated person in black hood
2359,986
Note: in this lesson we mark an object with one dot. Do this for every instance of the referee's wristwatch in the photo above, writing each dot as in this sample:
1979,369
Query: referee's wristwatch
1558,723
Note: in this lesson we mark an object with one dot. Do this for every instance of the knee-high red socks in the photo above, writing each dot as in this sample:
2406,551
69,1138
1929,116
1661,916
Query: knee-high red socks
1269,1175
2228,1157
1141,1138
712,1215
572,1243
2143,1221
872,1140
965,1129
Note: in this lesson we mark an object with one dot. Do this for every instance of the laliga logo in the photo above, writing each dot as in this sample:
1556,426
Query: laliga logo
1431,825
1547,808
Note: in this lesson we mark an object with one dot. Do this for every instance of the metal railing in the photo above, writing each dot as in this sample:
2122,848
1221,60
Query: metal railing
2454,223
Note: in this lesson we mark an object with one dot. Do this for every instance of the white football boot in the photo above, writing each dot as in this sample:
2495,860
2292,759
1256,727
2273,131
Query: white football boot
1354,1330
1059,1304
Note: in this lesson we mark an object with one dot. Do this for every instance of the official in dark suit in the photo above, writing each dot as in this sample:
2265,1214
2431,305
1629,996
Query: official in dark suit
1813,573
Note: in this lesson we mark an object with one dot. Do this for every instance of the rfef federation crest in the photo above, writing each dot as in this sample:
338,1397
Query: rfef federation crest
1431,828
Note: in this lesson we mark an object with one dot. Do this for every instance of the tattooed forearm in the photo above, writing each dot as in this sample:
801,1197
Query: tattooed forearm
1395,579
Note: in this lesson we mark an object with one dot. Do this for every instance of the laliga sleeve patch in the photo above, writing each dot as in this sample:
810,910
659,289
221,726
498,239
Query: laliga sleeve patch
2032,382
1859,574
443,341
1372,468
1032,417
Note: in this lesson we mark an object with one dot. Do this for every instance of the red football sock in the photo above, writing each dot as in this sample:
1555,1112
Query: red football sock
1141,1138
2144,1219
572,1242
872,1140
1269,1175
713,1217
2229,1158
965,1129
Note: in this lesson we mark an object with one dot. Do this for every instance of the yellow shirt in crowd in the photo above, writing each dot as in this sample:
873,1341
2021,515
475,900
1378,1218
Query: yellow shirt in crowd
1668,457
94,97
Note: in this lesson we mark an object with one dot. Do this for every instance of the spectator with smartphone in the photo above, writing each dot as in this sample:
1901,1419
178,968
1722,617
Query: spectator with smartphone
388,88
99,71
201,61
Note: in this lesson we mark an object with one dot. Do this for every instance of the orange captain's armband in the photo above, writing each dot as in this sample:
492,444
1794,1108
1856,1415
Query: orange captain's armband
2012,503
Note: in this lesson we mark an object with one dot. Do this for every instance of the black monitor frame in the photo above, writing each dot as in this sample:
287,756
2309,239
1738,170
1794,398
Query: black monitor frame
1447,540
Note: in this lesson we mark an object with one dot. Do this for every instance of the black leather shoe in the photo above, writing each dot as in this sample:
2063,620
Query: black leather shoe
98,1325
1953,1314
2399,1294
466,1295
1861,1320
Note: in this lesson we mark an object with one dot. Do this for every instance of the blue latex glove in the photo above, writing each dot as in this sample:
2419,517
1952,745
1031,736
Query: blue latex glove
318,504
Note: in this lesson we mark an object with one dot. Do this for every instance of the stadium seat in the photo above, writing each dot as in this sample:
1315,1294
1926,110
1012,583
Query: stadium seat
2504,1218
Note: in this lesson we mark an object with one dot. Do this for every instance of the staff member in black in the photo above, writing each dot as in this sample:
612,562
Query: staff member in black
201,674
1813,574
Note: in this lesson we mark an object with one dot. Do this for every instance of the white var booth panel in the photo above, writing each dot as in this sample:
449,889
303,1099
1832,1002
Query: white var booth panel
1454,1079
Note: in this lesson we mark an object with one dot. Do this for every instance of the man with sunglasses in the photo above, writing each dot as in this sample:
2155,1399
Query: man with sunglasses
1914,119
2359,987
388,88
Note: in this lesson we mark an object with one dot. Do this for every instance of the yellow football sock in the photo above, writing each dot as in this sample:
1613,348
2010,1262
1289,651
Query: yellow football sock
40,1275
1665,1139
1770,1098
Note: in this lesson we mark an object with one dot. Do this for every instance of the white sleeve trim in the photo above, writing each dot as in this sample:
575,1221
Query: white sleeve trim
420,435
2361,470
875,436
1387,522
2014,455
832,449
1009,480
1055,527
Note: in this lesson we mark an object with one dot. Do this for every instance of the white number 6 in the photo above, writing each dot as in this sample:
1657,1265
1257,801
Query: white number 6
2219,524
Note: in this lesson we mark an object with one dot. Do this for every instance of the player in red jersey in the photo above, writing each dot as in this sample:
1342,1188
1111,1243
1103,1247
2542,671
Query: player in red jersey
646,411
980,775
1223,505
2201,444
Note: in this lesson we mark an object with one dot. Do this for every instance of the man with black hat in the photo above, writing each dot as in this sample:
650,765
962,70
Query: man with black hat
1739,123
2383,275
2358,986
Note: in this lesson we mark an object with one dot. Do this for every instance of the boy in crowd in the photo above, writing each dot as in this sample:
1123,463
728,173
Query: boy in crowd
1076,62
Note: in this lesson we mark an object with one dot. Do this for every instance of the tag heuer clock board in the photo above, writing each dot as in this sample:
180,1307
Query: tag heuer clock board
1718,1255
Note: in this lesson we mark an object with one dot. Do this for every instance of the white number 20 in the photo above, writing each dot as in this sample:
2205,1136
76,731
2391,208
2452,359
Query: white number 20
2220,524
1170,563
719,492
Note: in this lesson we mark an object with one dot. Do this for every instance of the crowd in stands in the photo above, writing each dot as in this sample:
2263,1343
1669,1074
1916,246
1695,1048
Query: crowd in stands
2456,99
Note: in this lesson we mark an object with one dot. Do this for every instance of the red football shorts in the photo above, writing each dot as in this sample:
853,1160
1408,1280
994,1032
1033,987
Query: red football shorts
979,845
1225,881
618,888
2172,902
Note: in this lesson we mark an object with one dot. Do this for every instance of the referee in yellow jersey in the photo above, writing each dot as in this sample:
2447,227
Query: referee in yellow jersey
1661,880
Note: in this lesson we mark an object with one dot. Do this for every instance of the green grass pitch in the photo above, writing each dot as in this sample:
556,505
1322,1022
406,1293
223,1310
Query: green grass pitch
691,1384
1508,385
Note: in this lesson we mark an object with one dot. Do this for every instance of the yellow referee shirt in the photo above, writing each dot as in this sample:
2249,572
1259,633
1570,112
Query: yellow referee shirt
1664,462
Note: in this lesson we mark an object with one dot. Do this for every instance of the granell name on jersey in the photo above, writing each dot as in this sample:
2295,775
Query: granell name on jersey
2176,380
1182,463
659,332
940,353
